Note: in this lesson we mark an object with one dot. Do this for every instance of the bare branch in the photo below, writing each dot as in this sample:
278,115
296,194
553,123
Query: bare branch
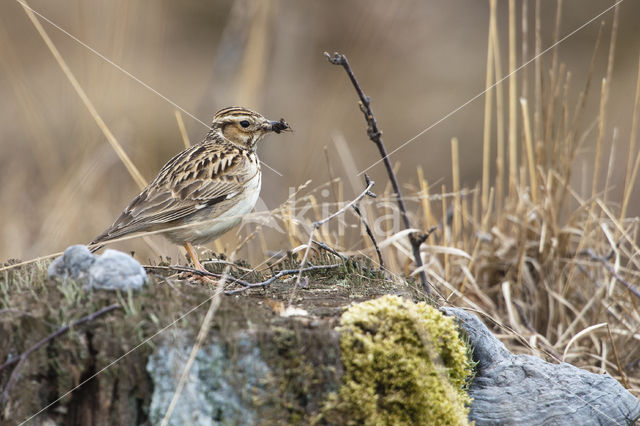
246,285
62,330
353,202
319,223
375,134
281,274
370,234
178,268
334,252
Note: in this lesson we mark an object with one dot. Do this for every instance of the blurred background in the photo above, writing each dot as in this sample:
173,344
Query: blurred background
62,183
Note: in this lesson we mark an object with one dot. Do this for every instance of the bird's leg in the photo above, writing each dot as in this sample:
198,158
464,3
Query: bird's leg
191,253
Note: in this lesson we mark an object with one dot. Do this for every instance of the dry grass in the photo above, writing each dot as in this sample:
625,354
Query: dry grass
543,250
556,269
553,262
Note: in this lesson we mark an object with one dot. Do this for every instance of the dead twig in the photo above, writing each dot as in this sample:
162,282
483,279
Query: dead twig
281,274
246,285
604,260
345,258
356,207
178,268
334,252
370,234
374,133
62,330
319,223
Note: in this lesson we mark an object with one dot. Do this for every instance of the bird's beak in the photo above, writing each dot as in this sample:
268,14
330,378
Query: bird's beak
277,126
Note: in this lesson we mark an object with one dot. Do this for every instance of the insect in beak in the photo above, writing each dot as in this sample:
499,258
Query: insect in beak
278,126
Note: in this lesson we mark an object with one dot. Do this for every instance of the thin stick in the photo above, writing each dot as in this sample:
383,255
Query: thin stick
447,231
513,92
530,155
353,202
537,75
62,330
500,161
283,273
525,46
632,288
476,246
549,112
334,252
486,134
424,197
246,284
28,262
199,272
183,129
375,135
582,99
319,223
457,206
131,168
601,128
612,42
369,233
556,35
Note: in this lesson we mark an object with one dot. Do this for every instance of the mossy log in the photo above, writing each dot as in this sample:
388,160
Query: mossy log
255,367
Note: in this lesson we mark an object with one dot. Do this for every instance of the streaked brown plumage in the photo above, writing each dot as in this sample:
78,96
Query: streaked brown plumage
205,190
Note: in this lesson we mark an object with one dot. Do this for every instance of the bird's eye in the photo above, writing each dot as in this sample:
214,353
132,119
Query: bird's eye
245,123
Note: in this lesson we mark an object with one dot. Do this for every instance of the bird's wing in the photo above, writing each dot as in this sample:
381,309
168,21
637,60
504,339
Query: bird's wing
202,176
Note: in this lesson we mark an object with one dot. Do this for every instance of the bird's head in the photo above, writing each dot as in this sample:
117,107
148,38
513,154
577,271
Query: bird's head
244,127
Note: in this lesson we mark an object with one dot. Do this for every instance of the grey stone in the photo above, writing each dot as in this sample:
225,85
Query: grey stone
74,263
114,270
522,389
221,387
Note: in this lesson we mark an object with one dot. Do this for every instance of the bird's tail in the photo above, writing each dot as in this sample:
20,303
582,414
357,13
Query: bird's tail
105,236
96,248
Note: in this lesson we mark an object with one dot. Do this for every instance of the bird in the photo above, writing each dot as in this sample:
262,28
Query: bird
205,190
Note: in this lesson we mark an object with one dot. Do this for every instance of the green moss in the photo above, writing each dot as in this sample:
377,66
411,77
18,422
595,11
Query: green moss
404,364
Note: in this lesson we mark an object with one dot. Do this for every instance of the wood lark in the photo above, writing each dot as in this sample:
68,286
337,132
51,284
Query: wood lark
204,191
